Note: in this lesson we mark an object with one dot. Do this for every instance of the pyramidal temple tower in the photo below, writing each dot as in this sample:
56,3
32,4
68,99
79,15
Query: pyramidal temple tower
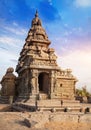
38,72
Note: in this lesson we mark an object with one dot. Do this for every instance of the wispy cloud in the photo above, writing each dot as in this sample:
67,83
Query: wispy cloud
14,60
17,31
69,38
10,41
15,24
7,60
3,48
83,3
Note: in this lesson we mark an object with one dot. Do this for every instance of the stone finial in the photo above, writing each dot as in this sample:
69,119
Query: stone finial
36,21
36,14
10,70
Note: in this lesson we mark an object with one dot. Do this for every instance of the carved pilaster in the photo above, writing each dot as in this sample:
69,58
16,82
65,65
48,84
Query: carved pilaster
34,84
52,83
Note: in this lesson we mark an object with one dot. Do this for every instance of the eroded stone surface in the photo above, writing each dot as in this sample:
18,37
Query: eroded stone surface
38,70
8,83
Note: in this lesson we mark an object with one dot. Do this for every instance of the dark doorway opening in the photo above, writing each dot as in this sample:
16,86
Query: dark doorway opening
43,81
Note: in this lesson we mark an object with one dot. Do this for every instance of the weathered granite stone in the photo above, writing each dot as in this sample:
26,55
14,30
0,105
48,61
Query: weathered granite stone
8,83
8,91
38,70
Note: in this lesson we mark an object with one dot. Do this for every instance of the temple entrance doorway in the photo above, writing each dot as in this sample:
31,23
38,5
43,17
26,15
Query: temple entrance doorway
43,81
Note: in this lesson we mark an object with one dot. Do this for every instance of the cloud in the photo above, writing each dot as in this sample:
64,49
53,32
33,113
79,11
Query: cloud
74,51
11,42
12,35
5,40
83,3
6,56
15,24
17,31
5,61
3,48
14,60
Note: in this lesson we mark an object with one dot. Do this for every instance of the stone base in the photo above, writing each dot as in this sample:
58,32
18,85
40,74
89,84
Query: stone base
26,98
4,100
49,105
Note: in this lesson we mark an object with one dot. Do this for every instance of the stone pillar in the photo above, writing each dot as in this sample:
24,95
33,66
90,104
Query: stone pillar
52,76
34,82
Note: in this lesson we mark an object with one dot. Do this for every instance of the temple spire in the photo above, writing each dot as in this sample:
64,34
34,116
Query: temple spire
36,21
36,14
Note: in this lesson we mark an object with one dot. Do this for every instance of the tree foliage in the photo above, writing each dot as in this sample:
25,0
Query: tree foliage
83,92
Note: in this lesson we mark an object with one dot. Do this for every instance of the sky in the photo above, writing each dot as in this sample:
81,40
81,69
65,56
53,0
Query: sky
67,24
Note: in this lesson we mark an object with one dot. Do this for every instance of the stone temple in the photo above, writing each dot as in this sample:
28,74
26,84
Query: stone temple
39,76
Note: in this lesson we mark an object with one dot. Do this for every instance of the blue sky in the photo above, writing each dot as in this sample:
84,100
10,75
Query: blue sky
68,26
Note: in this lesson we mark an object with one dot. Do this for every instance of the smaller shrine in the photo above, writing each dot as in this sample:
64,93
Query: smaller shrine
8,83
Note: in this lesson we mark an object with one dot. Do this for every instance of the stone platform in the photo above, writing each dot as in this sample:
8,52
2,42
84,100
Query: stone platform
58,105
49,105
4,100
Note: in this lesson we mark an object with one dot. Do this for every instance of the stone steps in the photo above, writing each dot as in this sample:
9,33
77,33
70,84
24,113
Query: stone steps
57,103
25,107
43,96
48,105
26,99
4,100
21,107
61,109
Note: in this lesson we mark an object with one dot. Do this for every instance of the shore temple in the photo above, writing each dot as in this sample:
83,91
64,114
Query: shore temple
39,76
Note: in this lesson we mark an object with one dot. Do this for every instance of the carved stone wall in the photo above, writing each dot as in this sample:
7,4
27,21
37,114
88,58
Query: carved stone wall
38,70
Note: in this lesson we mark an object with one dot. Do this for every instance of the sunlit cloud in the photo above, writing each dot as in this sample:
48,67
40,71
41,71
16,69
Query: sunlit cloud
10,41
7,55
83,3
13,60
